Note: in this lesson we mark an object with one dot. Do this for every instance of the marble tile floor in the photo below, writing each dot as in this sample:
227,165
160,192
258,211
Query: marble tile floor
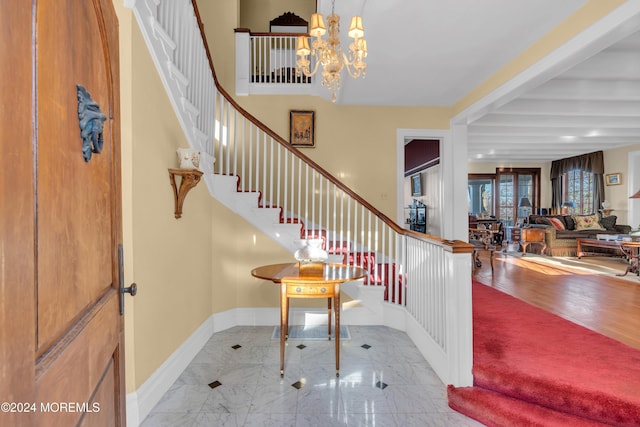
235,381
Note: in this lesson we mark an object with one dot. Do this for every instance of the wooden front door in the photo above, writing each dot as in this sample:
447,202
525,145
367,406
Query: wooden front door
61,336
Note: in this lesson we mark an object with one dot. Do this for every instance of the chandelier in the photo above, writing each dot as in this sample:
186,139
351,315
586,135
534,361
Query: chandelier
328,53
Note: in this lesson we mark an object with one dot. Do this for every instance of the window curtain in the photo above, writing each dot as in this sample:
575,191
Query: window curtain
592,162
556,194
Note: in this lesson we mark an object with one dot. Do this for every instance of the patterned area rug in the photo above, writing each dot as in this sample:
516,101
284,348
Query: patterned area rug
609,266
315,332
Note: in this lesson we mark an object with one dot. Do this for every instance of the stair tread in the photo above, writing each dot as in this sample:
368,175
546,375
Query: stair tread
495,409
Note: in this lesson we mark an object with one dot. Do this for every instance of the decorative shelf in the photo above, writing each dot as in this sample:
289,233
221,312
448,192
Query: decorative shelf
189,178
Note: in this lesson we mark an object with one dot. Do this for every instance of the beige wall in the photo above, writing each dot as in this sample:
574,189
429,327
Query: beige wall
125,19
171,257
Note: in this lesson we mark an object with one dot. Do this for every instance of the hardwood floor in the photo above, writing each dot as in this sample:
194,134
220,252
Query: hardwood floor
603,303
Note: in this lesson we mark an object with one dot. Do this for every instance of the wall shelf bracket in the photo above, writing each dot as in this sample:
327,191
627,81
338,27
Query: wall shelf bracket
189,178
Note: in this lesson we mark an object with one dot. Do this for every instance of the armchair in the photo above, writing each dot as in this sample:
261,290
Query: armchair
483,239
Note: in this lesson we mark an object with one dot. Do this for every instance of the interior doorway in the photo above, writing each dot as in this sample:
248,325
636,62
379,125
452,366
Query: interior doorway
420,184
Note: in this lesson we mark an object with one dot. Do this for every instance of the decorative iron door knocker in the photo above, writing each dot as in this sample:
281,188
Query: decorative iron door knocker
91,123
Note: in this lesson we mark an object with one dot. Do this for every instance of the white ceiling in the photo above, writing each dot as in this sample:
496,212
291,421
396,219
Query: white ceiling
434,52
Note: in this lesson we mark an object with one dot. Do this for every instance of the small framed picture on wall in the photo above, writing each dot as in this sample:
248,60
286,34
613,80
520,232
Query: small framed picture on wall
613,179
416,185
301,128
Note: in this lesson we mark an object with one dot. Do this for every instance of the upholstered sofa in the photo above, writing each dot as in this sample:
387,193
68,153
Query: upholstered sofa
561,231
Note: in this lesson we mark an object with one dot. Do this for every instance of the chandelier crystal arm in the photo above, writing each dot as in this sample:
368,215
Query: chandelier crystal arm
357,53
303,67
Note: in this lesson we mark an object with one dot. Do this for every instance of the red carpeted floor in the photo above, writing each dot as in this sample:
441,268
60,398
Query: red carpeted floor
534,368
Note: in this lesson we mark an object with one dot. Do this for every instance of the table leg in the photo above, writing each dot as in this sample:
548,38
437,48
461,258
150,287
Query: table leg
336,310
329,302
284,322
579,252
633,257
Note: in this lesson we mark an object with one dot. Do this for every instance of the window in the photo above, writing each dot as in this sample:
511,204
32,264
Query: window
501,194
480,195
579,186
519,194
578,179
506,201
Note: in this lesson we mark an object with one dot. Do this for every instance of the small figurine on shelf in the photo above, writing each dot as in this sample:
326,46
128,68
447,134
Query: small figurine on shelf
189,158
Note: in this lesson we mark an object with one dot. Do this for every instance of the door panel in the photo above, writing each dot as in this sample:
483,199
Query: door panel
62,378
74,197
105,416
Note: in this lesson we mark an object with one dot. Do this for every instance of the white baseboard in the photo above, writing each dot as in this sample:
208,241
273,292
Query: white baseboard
140,402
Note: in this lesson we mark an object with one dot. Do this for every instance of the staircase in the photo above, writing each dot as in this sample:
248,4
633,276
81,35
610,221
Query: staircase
287,230
424,281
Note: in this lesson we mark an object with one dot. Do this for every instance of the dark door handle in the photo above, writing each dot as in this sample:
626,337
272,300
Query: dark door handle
133,290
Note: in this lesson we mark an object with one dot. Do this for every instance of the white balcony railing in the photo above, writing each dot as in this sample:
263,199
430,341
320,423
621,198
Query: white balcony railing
427,278
266,64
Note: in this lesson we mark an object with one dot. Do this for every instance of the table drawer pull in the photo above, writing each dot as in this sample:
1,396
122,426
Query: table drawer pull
298,290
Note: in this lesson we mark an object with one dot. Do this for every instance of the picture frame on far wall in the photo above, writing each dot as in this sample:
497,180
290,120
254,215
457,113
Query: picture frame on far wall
302,128
416,185
613,179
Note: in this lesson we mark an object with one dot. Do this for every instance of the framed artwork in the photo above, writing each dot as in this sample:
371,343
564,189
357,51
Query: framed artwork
416,185
613,179
422,215
302,128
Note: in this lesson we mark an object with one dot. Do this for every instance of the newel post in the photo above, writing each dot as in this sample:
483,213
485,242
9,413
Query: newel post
243,61
459,314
